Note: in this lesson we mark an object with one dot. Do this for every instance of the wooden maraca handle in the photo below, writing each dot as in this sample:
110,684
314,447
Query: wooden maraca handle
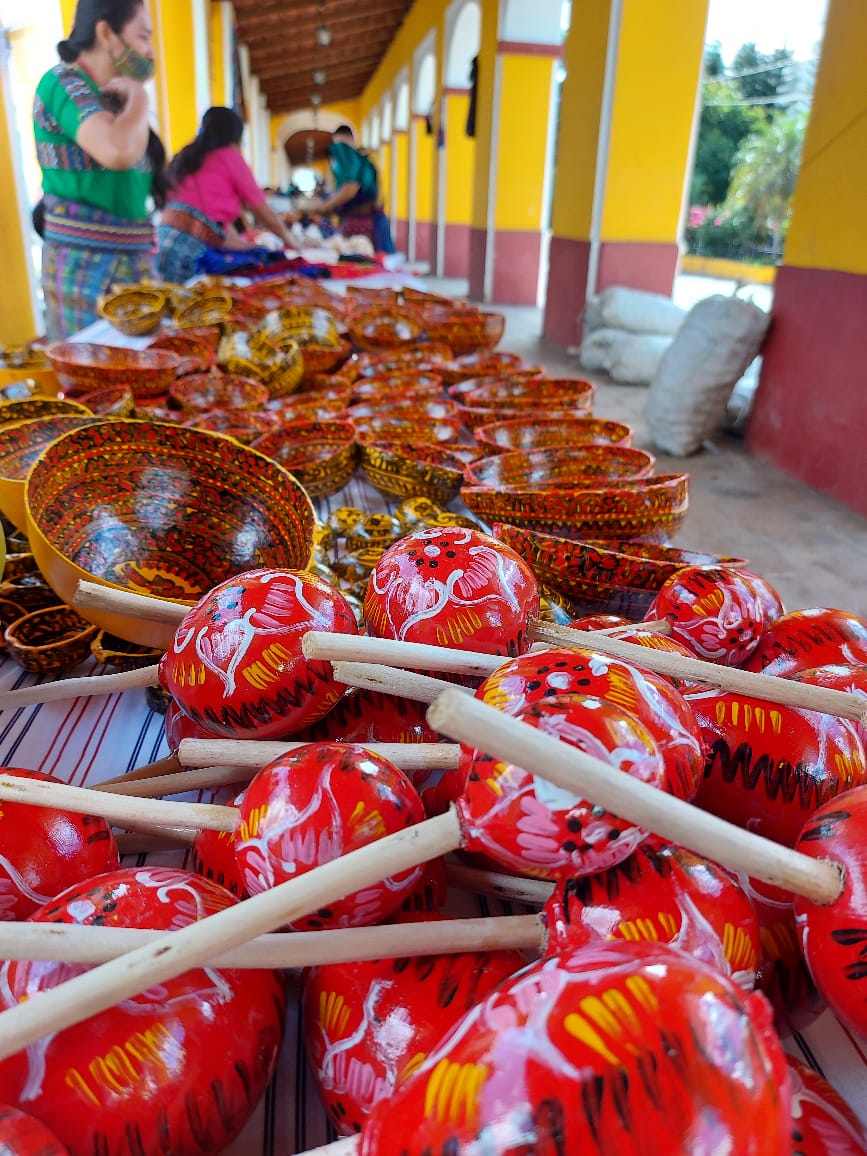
503,737
89,686
391,680
327,647
178,951
70,943
93,596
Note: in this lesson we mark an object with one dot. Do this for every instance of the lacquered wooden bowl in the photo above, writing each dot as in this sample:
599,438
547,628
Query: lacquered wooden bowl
204,309
308,407
403,385
85,366
612,577
466,329
20,446
560,467
653,508
29,408
49,641
537,394
410,471
134,311
197,353
113,401
473,417
423,409
305,324
321,454
417,430
160,509
545,433
198,392
383,327
459,390
243,425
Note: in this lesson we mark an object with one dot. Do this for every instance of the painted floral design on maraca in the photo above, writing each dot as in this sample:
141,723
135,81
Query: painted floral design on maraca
661,893
823,1124
178,1068
24,1135
455,587
368,1026
535,828
713,611
318,803
235,665
618,1048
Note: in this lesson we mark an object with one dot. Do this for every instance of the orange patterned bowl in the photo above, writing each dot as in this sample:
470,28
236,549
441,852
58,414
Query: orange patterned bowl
204,310
423,355
133,310
243,425
419,430
473,418
308,407
316,383
405,385
163,510
49,641
610,577
204,391
197,354
562,467
652,508
414,408
321,358
115,401
321,454
460,390
500,437
486,365
466,330
84,366
384,328
305,324
534,394
32,407
410,471
20,446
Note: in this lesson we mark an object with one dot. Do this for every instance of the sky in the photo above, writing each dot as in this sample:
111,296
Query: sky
769,24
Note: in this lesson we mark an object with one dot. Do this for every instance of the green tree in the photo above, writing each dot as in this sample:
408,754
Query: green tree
723,125
764,178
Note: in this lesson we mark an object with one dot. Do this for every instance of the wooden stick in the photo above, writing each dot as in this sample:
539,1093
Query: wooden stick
87,687
256,753
170,765
69,943
171,954
532,891
198,779
93,596
781,690
471,721
117,808
321,644
654,626
391,680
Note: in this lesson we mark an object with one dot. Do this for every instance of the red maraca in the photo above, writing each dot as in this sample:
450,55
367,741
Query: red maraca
713,611
823,1124
650,698
368,1026
24,1135
620,1048
44,851
178,1068
661,893
452,586
312,806
803,639
235,664
769,767
839,676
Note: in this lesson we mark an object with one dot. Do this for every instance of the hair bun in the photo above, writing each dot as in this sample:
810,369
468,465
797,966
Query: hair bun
67,51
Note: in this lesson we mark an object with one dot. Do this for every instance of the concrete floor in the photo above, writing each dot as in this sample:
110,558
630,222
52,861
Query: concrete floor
812,550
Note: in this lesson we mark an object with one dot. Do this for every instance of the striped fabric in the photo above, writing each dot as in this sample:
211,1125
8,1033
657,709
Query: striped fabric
184,235
73,280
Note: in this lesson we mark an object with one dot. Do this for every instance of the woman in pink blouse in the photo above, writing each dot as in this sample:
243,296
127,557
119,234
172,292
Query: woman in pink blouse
212,185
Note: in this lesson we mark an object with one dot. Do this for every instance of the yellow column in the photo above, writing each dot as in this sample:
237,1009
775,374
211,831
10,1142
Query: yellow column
810,411
423,149
222,30
384,167
175,36
459,166
17,311
626,122
67,14
400,188
487,67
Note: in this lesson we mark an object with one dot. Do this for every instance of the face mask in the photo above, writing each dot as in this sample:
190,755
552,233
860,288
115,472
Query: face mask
132,64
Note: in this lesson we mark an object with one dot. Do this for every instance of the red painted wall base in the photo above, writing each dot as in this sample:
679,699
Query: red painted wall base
516,266
456,259
425,242
400,235
639,265
809,414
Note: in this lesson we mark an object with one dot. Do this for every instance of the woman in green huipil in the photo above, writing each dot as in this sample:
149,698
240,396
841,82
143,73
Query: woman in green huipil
100,161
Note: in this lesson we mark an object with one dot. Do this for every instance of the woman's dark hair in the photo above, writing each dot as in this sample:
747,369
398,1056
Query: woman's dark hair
161,182
88,13
220,127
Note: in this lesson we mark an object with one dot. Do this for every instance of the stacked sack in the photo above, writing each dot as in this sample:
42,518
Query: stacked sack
626,333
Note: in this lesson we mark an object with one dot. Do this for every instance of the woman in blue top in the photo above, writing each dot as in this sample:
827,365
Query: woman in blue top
96,151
